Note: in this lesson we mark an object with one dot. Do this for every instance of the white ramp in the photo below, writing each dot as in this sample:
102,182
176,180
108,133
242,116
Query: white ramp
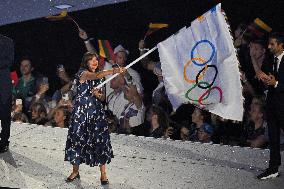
35,161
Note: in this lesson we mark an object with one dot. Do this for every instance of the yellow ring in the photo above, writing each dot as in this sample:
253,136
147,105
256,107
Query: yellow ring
201,74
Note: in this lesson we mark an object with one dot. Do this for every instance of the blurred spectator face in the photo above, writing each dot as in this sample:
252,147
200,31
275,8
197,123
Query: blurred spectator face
203,136
255,113
152,117
257,48
130,91
238,32
196,116
256,102
26,67
154,120
38,111
59,117
121,58
93,64
35,113
274,47
184,133
117,82
204,133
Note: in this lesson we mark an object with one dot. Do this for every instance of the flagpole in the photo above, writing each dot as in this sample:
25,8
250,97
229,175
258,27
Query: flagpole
74,22
128,66
145,37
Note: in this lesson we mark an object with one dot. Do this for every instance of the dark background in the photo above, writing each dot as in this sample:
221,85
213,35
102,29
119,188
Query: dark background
53,43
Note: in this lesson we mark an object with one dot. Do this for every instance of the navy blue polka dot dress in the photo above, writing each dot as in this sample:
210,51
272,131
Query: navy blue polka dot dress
88,139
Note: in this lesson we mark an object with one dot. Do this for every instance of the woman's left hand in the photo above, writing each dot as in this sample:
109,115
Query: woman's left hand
97,93
119,70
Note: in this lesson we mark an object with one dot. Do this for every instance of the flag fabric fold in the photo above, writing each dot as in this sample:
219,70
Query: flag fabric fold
200,66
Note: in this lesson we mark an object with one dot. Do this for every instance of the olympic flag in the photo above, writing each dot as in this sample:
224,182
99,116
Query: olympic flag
200,66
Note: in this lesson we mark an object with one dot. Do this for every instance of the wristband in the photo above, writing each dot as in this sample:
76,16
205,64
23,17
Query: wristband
87,40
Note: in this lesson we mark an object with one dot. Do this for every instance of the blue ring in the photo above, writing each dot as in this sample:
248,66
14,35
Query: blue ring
211,57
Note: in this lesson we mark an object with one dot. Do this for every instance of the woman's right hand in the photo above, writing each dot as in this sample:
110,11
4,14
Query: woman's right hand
119,70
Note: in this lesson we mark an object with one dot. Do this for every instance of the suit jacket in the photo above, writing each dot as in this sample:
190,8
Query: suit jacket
275,96
6,61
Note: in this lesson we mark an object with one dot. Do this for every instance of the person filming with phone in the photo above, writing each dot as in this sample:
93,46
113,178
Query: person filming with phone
40,96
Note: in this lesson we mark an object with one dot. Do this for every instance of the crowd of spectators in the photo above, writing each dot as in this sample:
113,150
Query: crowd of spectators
129,112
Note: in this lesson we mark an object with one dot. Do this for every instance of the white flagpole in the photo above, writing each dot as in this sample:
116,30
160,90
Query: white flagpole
128,66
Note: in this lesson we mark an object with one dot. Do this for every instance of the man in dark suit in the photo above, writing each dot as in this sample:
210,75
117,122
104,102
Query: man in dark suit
6,61
274,79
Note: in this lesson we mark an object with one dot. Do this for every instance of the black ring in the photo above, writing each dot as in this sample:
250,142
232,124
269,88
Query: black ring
215,76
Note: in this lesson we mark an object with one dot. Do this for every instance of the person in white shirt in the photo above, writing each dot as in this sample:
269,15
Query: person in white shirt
120,59
126,104
115,100
133,113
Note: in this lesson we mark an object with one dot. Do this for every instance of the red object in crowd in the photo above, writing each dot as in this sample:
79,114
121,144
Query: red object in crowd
14,78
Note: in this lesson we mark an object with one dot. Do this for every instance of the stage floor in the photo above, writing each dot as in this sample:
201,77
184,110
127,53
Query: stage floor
35,161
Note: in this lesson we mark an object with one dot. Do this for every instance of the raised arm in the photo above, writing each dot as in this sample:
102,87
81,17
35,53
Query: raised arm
97,75
84,36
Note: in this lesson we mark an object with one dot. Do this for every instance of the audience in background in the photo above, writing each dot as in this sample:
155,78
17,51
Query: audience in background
38,114
126,106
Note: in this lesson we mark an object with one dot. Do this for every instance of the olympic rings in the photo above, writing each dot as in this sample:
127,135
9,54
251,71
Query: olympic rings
211,56
200,75
185,67
208,92
189,90
215,76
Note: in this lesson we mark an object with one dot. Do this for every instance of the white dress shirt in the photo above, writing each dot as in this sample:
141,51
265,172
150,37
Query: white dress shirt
279,58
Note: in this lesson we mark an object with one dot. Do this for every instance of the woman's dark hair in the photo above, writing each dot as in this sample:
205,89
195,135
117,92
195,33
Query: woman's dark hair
20,117
88,56
66,113
163,118
39,107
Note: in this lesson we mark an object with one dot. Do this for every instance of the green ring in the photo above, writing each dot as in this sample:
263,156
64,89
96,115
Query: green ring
189,90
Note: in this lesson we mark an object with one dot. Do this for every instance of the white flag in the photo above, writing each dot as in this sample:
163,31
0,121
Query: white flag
200,66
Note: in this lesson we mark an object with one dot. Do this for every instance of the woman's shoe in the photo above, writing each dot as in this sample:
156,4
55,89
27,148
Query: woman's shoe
69,179
104,182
